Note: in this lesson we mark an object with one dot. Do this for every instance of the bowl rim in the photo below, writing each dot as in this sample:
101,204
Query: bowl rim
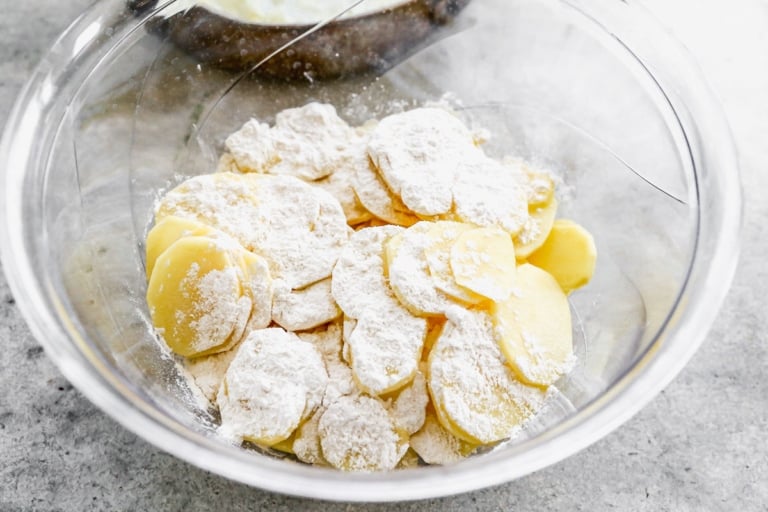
70,352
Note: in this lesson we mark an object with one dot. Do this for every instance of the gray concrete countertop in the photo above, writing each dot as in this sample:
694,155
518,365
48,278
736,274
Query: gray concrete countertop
701,445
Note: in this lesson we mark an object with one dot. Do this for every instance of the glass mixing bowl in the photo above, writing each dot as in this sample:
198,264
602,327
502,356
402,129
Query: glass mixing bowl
596,91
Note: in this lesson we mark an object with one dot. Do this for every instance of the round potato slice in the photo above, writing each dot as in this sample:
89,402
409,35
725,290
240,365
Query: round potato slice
167,231
257,284
438,255
419,154
409,274
300,229
483,261
359,282
476,396
306,442
488,194
307,142
568,254
301,247
435,445
533,327
535,230
225,201
408,409
193,296
385,349
375,197
311,306
275,382
357,434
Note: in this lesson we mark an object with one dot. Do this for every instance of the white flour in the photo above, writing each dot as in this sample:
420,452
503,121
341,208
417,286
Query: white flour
297,310
409,408
357,434
359,283
216,311
385,349
273,383
309,142
419,154
435,445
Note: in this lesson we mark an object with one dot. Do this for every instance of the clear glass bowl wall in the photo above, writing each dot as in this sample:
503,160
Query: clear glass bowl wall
114,116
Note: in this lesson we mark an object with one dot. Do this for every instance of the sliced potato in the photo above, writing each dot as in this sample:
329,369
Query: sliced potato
533,327
357,434
275,382
536,230
435,445
167,231
409,274
438,255
191,296
483,261
568,253
475,394
257,285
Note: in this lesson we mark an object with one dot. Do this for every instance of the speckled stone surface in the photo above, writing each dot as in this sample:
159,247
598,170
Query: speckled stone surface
701,445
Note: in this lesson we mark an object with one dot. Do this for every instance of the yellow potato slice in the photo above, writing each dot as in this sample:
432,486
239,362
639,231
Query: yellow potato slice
568,253
541,188
442,236
192,294
375,197
536,229
286,445
533,327
476,396
435,445
167,231
306,441
257,285
483,261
